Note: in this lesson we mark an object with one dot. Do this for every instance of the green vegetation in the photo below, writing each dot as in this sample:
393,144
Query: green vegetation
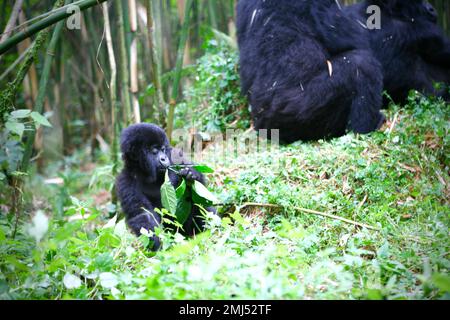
395,180
214,101
358,217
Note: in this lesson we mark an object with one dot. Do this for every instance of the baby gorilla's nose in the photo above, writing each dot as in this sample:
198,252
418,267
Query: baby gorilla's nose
164,160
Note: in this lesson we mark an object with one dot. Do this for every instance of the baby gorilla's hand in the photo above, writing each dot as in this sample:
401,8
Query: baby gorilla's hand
144,221
190,174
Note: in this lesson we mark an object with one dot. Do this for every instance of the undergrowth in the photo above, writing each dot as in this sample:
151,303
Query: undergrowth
395,180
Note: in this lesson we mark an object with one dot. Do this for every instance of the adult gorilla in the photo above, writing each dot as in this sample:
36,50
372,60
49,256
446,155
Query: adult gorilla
307,69
147,155
411,47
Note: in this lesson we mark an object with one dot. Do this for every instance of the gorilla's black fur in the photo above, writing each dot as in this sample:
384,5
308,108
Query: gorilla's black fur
147,155
411,47
307,69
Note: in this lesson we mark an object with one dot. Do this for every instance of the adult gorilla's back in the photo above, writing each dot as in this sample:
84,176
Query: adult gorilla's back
306,70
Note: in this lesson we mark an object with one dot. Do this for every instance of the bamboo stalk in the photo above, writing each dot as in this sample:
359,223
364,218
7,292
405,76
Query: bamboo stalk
158,16
43,81
31,134
181,8
212,14
155,64
113,98
134,79
179,67
112,88
125,74
7,99
89,75
31,77
16,62
132,9
44,23
166,34
231,23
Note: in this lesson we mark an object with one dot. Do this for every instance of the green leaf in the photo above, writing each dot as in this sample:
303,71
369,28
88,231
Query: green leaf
168,195
374,294
202,195
40,119
150,90
441,281
15,127
184,208
181,189
203,169
19,114
108,240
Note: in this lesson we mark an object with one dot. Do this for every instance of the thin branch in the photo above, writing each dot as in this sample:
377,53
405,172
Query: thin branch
309,211
332,216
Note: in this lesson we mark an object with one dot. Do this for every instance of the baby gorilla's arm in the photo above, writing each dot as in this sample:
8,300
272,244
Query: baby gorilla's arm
147,221
187,172
139,211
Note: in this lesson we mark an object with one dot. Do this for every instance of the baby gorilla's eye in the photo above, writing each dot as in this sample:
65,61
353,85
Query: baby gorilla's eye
163,149
154,150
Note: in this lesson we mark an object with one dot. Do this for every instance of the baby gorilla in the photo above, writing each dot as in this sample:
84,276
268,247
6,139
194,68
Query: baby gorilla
147,155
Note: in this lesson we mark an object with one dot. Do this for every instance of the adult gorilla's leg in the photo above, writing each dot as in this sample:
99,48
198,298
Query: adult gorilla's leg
346,93
365,113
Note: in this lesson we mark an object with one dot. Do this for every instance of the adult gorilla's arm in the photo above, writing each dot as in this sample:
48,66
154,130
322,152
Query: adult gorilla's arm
336,30
437,51
433,45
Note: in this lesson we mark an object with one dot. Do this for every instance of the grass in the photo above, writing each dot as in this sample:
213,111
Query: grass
396,180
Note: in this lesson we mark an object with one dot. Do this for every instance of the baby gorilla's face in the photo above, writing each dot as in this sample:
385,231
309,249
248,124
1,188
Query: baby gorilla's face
157,157
146,150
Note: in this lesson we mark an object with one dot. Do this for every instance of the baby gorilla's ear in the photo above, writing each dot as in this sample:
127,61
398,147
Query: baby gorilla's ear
129,151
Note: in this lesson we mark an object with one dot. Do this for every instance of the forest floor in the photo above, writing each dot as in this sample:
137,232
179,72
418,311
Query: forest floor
395,181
